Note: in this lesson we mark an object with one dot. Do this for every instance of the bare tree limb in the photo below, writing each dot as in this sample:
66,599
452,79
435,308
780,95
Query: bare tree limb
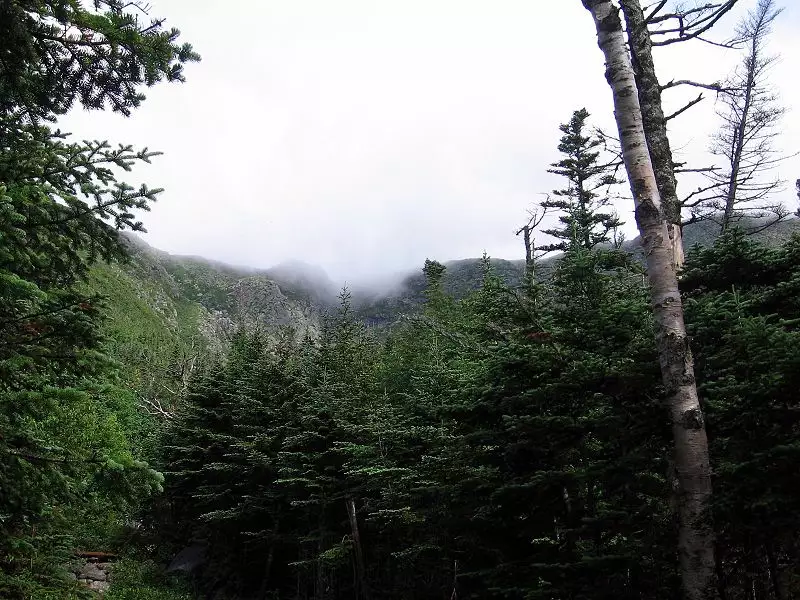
685,108
697,170
649,18
691,23
715,87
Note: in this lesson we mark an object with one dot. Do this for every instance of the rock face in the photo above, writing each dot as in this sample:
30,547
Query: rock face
188,559
224,298
192,297
99,586
93,572
94,575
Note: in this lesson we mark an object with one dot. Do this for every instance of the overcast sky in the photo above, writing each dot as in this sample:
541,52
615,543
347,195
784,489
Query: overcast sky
366,135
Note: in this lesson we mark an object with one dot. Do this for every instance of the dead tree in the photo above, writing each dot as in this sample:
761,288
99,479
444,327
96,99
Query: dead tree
535,217
797,187
686,21
358,549
750,114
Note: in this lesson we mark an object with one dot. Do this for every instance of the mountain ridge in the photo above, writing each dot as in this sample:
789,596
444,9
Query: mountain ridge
194,296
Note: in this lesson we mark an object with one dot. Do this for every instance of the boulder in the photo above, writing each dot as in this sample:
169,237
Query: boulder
92,572
99,586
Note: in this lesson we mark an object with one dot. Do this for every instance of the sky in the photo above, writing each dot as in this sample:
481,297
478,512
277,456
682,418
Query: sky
364,136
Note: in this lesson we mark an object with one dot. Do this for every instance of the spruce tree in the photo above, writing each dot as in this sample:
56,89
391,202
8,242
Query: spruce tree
663,255
586,217
575,497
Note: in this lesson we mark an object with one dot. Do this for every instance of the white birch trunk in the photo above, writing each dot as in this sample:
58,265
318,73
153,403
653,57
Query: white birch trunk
696,535
653,121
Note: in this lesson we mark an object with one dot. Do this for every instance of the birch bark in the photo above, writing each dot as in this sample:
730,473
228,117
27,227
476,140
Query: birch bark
695,535
654,123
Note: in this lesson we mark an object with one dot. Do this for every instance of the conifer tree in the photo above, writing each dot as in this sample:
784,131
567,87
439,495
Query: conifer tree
750,115
509,444
61,205
586,215
742,300
565,439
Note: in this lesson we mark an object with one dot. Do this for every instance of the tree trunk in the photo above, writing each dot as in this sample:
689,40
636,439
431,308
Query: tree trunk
454,595
695,535
319,584
262,593
591,509
774,571
722,584
655,126
526,237
360,568
739,141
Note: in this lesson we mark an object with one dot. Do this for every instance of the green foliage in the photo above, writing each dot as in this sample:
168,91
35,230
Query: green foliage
439,440
58,52
66,461
509,444
273,420
504,440
144,580
744,313
68,473
203,283
155,338
569,424
584,204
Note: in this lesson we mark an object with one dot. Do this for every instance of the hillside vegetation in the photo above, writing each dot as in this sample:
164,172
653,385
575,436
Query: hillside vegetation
599,420
204,302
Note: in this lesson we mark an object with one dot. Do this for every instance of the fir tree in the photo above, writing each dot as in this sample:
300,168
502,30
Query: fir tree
576,497
584,204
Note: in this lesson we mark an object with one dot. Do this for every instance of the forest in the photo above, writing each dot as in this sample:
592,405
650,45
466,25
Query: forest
605,418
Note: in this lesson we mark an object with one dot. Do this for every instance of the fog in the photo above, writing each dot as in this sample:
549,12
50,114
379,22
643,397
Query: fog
365,136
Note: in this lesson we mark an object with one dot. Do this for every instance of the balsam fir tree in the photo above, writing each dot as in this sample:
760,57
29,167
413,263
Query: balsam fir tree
575,498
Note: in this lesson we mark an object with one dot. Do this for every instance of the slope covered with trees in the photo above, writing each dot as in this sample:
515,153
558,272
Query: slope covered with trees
510,444
485,429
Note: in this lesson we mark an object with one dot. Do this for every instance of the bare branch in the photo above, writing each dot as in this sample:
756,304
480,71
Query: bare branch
649,18
684,15
726,45
691,23
537,215
750,113
685,108
155,408
697,170
715,87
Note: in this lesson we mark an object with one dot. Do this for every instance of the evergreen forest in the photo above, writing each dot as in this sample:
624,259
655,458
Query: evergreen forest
506,429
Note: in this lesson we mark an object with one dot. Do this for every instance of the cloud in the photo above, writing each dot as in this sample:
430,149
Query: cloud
366,136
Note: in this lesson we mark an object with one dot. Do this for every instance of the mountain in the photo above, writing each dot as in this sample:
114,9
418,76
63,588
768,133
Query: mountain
381,308
300,280
704,233
166,310
187,292
465,275
168,315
